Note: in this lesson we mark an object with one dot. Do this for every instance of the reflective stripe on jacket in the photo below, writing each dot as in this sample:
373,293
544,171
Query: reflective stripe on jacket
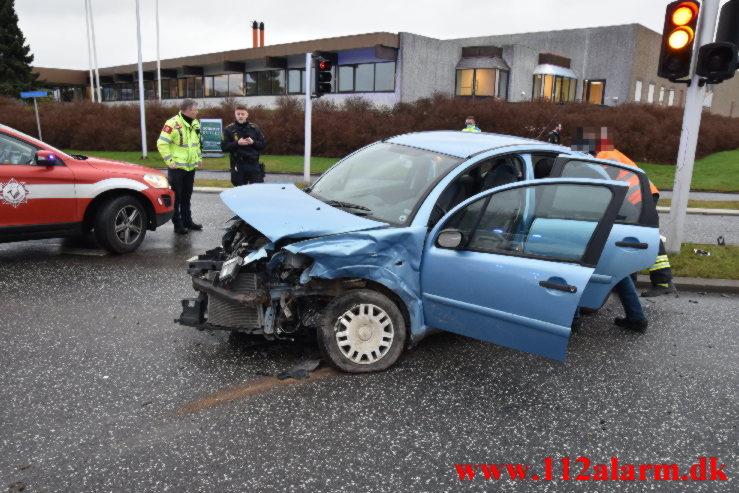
179,143
616,155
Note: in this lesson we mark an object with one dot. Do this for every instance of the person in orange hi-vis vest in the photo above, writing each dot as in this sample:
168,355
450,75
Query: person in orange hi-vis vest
660,274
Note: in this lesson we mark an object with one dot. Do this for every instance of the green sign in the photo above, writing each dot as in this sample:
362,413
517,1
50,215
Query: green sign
210,131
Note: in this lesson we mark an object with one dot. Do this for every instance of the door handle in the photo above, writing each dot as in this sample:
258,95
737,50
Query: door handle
559,287
628,244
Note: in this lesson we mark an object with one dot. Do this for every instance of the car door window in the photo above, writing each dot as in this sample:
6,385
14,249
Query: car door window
548,220
490,173
13,151
631,209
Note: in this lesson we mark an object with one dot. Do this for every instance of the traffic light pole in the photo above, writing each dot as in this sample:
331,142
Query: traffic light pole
689,136
308,117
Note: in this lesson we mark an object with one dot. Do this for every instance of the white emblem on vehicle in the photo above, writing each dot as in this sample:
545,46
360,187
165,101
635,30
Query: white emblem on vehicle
14,192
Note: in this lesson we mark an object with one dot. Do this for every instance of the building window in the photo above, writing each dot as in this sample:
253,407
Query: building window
270,82
236,84
169,88
650,93
385,77
554,87
637,91
346,78
195,87
670,97
594,91
190,87
220,86
367,77
265,83
296,81
485,82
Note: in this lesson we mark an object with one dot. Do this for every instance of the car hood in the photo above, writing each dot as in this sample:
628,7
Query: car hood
118,166
281,210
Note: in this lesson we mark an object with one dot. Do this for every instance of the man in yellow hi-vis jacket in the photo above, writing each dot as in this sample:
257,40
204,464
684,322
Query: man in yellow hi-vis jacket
179,145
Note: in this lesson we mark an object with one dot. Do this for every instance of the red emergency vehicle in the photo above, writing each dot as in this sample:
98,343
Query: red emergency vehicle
46,193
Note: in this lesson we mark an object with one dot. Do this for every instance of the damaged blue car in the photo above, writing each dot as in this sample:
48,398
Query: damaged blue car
494,237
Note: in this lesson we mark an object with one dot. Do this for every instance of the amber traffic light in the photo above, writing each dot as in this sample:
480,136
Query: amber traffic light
678,35
683,14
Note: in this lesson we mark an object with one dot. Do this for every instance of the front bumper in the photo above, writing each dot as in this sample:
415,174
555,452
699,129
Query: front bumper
163,217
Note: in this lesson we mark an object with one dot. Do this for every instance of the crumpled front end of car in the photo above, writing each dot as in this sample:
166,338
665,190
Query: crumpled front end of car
279,290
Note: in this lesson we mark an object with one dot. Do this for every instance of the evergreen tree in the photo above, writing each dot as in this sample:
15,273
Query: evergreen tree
15,54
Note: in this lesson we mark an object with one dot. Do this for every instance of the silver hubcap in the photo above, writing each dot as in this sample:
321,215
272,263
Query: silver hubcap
128,225
364,333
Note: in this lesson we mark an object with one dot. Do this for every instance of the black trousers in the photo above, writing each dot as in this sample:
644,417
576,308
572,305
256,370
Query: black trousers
244,174
182,182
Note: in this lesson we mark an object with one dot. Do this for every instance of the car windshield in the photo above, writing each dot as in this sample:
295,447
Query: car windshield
384,181
34,140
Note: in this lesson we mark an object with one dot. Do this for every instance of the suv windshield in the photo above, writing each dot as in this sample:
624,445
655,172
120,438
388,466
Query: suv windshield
384,181
33,140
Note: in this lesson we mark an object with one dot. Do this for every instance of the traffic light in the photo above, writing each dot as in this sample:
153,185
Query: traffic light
322,75
716,62
678,38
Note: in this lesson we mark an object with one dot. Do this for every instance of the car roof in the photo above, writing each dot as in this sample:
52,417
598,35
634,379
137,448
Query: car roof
462,144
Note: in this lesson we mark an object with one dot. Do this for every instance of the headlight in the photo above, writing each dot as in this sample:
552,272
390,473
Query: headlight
156,180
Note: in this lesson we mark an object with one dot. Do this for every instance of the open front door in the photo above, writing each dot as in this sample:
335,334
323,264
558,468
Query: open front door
525,254
634,239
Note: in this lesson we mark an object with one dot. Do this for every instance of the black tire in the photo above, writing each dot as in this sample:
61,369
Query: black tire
120,224
380,334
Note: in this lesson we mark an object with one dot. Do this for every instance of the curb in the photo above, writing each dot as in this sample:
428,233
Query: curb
696,284
706,212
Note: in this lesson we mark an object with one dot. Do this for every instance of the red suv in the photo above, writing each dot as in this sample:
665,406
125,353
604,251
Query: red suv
45,193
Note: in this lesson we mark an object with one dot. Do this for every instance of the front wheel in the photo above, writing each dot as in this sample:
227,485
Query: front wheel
362,331
120,225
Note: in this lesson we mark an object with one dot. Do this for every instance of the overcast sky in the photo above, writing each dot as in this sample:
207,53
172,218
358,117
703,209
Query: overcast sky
55,29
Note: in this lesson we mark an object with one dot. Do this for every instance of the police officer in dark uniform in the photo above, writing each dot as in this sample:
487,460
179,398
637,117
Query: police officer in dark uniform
554,136
244,141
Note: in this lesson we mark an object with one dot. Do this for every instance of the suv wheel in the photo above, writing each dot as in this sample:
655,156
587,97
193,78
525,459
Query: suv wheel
362,331
120,225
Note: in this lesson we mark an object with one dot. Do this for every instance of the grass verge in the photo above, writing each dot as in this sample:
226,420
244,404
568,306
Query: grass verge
274,164
705,204
718,172
225,184
723,263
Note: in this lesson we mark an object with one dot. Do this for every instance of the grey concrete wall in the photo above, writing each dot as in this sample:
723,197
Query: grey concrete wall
596,53
428,66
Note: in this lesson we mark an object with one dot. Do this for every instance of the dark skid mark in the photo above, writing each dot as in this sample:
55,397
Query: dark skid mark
251,388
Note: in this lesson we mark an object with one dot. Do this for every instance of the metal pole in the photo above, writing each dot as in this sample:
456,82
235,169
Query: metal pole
95,53
308,116
89,51
689,136
159,65
141,86
38,121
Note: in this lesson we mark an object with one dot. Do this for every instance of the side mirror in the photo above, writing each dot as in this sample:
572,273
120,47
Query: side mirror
48,158
450,238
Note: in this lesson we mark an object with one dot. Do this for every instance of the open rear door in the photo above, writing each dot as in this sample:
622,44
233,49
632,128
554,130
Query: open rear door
634,239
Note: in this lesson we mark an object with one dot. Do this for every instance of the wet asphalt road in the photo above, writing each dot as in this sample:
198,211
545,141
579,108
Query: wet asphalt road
101,392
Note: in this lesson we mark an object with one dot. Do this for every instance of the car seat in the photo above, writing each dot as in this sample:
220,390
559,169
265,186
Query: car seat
543,167
502,174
